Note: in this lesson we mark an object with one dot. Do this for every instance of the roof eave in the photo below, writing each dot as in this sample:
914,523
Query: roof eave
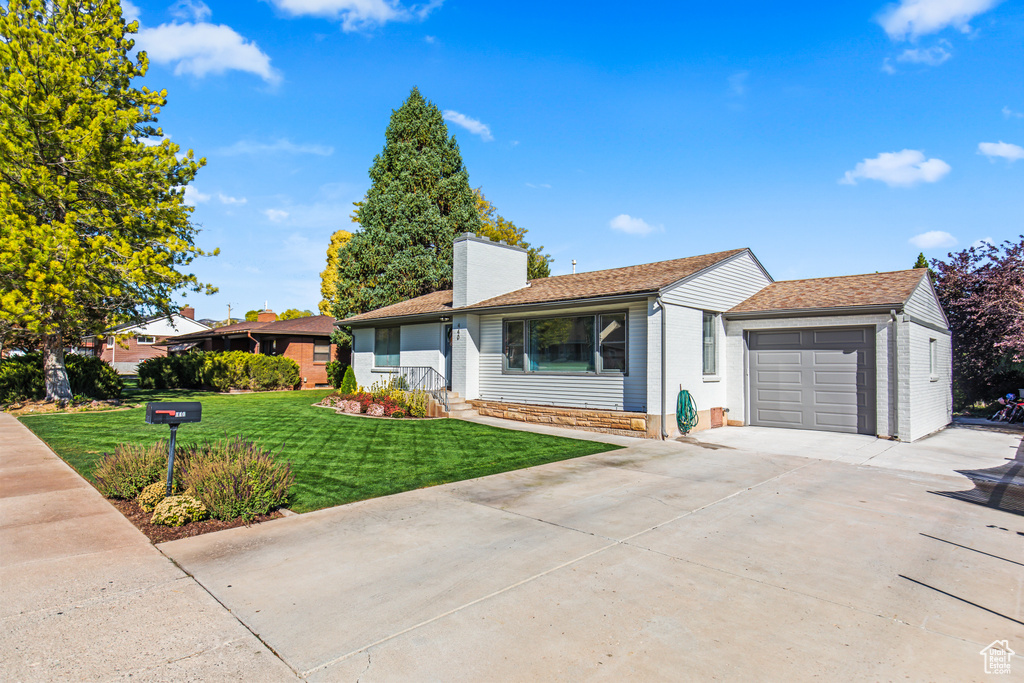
817,311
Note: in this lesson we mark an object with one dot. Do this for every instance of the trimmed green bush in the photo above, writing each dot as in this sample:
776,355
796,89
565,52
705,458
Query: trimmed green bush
348,383
178,511
236,478
129,469
173,372
152,495
256,372
336,372
21,377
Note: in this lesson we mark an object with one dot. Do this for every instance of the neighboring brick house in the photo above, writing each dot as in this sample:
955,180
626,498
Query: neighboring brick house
125,346
612,349
307,341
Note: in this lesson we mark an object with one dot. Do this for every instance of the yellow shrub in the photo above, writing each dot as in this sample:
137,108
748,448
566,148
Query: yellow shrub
178,510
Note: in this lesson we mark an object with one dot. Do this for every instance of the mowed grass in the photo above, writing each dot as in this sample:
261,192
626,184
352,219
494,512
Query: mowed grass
336,458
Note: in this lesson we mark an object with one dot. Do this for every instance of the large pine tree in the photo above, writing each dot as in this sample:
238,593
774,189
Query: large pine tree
420,200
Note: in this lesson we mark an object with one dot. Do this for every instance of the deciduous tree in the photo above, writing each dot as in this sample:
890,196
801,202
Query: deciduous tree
329,276
982,292
497,228
93,226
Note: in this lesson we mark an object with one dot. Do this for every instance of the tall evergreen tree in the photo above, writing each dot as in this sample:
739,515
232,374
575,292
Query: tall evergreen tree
93,225
420,200
921,261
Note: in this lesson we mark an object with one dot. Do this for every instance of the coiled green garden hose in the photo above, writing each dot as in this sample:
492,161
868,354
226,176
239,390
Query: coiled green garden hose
686,412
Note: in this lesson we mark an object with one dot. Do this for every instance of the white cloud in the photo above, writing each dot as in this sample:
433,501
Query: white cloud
154,142
129,11
430,39
932,56
190,10
358,15
275,215
539,186
933,239
738,83
911,19
283,145
633,226
193,196
887,67
472,125
898,169
1003,150
226,199
1011,114
202,48
983,242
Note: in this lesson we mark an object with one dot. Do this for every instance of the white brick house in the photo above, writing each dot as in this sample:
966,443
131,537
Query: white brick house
863,353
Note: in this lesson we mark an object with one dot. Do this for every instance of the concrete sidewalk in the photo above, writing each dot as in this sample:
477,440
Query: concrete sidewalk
85,596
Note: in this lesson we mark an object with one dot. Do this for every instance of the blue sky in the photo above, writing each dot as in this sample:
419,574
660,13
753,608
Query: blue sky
828,139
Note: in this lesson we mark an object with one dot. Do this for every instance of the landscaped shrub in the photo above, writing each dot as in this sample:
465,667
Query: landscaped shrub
241,370
336,373
152,495
178,510
93,377
129,469
172,372
21,377
418,401
236,478
348,383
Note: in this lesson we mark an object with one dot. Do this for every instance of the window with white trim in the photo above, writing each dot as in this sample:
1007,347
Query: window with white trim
145,339
709,339
386,346
577,344
933,361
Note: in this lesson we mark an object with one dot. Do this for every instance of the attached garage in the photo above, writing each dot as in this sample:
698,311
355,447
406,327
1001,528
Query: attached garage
863,354
813,378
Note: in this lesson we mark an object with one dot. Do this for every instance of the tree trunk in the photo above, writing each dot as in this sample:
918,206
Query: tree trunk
58,388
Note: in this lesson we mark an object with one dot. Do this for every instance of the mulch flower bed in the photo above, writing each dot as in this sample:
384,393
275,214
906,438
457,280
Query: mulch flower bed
158,533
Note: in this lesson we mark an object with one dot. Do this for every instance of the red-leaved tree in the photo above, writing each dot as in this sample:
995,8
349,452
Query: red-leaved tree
982,292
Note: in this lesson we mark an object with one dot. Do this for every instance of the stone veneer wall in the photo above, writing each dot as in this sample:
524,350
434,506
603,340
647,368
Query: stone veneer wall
605,421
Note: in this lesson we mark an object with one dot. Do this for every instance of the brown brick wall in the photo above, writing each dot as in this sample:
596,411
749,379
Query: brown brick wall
606,421
300,349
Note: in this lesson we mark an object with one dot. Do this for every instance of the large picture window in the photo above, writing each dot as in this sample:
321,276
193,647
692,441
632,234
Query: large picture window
386,344
583,344
710,339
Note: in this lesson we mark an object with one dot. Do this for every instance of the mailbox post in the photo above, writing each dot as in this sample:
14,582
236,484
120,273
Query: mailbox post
173,414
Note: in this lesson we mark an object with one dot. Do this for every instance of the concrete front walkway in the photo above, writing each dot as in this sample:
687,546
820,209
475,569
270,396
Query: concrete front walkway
661,561
84,595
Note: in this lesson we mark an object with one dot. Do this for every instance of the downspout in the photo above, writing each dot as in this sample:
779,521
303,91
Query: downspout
253,339
894,363
664,365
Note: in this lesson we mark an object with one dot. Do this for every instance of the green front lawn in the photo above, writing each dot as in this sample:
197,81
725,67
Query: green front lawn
336,458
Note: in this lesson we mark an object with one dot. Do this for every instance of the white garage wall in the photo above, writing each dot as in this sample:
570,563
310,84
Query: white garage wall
930,402
685,367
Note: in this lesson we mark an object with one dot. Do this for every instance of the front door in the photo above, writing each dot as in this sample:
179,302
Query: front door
448,356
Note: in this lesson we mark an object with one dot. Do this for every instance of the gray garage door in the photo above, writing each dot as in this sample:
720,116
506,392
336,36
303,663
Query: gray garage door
813,379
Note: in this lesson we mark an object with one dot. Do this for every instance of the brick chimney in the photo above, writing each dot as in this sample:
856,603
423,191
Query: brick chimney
266,316
484,269
188,312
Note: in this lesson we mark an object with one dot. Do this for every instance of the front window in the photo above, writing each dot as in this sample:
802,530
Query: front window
145,339
710,338
584,344
386,347
322,352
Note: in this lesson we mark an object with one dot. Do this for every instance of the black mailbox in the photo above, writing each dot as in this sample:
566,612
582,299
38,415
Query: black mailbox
173,413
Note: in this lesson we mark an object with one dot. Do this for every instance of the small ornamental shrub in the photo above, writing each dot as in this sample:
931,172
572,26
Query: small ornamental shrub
417,401
348,382
152,495
236,478
21,377
129,469
375,409
336,373
352,407
178,511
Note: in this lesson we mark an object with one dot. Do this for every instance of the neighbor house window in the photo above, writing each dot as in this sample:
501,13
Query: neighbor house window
583,344
514,355
145,339
386,346
322,352
709,335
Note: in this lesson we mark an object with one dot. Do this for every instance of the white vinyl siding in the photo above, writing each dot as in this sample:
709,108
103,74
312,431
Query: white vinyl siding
609,391
922,305
721,287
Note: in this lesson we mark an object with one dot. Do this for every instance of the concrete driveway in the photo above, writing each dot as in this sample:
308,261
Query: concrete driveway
732,557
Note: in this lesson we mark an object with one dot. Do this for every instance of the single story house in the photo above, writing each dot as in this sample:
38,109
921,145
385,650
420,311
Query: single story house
125,346
610,350
306,340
